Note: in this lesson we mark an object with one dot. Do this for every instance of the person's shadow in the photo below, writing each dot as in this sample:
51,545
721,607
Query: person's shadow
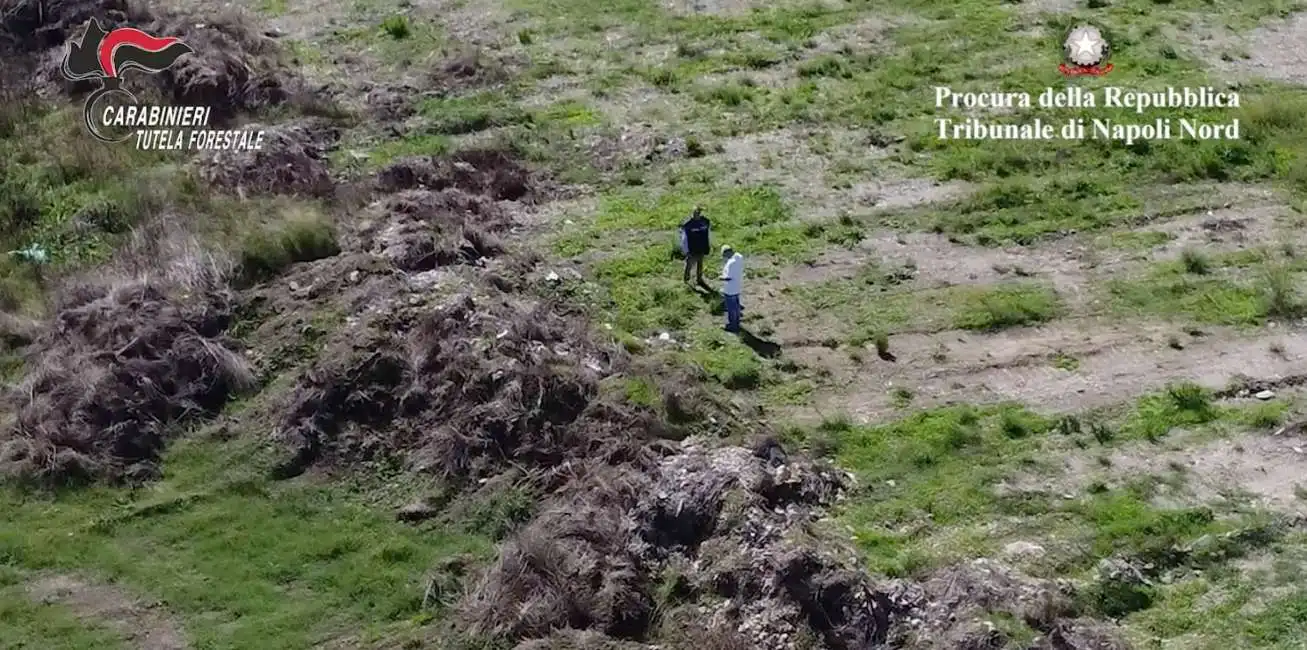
761,347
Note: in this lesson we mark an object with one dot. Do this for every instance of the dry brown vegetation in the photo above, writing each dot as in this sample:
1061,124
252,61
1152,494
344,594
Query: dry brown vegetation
116,368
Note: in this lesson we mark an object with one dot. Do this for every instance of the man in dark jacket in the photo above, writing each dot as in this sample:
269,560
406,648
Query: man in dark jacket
696,233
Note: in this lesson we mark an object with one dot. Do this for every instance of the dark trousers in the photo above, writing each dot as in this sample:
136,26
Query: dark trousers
733,310
694,262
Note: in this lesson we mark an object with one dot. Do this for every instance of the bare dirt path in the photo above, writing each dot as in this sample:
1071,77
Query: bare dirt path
1070,365
142,625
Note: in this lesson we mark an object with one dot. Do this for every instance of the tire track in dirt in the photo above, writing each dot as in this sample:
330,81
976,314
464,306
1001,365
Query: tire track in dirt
141,625
1113,364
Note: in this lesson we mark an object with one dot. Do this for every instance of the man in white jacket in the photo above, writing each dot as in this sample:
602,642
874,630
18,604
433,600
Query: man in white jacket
732,275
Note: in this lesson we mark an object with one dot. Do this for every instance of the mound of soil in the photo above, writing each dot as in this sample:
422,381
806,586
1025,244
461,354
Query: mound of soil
953,608
469,70
114,371
490,173
420,230
463,392
292,161
707,538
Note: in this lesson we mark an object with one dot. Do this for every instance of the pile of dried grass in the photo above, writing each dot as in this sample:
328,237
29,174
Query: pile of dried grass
292,160
464,392
114,370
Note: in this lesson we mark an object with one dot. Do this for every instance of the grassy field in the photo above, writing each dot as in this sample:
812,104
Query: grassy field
1007,343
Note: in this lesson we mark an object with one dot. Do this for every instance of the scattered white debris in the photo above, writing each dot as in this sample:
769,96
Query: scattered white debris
664,337
1022,550
1265,395
553,277
501,334
353,276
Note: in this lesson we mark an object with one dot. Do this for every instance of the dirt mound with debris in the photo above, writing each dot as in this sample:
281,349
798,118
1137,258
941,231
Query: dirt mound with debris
114,370
234,67
420,230
953,609
292,160
436,212
708,538
462,391
487,172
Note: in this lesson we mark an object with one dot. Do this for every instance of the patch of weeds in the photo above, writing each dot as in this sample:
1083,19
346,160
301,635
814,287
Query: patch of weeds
901,397
731,94
1063,361
301,237
1266,415
273,7
642,391
727,361
1069,425
1102,433
397,27
1182,404
1116,598
246,540
1005,306
1137,240
1169,291
496,515
479,112
791,392
565,114
939,465
826,66
881,340
1195,262
1126,524
1281,292
1020,424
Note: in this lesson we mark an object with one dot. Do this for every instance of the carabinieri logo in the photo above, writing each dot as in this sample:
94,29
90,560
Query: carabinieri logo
105,56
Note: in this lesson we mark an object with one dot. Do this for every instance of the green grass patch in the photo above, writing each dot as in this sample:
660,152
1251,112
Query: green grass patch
938,466
28,624
1244,288
469,114
929,477
999,307
226,549
299,237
